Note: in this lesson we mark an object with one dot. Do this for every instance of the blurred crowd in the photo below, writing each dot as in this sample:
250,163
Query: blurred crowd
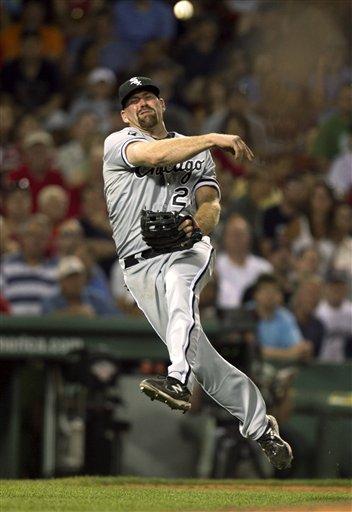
277,73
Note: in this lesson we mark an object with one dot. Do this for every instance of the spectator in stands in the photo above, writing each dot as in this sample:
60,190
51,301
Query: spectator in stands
7,244
250,204
37,167
32,81
236,267
98,97
307,264
17,207
74,297
284,224
96,277
69,237
26,125
200,55
342,237
87,59
320,217
277,332
331,73
32,20
282,260
139,21
96,227
234,122
95,156
28,277
53,201
217,98
237,102
9,151
304,303
112,52
335,311
339,173
72,157
328,141
71,241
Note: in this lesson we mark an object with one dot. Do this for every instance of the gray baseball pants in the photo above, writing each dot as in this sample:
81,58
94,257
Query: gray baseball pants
166,288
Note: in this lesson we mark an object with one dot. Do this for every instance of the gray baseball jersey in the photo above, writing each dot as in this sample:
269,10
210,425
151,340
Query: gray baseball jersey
167,287
128,189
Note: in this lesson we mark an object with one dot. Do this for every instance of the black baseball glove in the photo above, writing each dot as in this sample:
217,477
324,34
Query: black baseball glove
160,231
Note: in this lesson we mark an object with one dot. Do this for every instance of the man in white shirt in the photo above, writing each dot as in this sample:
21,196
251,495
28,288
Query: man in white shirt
236,267
340,175
335,311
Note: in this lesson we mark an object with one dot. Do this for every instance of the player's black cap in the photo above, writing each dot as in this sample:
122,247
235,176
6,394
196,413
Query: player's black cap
134,84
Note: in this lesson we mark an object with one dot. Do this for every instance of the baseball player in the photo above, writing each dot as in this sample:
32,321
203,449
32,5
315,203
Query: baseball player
163,202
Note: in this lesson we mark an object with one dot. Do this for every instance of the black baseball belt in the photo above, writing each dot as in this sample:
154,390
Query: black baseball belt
146,254
132,260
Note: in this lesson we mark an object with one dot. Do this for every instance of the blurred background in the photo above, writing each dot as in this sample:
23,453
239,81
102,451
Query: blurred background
73,344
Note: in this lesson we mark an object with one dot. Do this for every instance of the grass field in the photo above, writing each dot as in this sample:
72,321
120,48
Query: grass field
113,494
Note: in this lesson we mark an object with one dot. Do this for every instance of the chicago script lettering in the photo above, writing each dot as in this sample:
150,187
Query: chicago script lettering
184,167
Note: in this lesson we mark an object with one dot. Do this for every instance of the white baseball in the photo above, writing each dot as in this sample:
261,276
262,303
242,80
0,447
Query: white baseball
183,10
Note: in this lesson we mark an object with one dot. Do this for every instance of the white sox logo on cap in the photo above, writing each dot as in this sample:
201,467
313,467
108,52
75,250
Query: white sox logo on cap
135,81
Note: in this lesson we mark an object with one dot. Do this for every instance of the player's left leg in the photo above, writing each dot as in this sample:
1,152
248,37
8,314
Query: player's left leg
236,392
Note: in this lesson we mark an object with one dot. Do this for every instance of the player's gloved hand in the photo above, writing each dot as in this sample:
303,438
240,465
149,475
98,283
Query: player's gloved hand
163,232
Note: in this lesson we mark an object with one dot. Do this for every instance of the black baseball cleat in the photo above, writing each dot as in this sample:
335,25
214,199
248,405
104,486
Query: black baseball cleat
276,449
168,390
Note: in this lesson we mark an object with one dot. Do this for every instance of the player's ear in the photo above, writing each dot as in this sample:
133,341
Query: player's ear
124,116
163,106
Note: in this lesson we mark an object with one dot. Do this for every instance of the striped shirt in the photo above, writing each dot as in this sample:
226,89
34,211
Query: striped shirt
25,286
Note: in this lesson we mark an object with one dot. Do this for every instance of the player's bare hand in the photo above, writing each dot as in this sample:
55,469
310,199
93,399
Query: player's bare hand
234,144
187,226
241,149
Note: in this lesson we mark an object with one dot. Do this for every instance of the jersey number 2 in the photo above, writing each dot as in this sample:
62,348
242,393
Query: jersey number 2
179,192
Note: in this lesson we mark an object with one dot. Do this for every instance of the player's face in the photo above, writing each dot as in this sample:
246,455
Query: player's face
144,110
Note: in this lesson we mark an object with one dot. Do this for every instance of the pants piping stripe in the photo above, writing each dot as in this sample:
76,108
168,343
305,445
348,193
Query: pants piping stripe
197,278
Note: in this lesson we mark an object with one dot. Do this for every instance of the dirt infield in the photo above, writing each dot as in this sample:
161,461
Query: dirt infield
332,507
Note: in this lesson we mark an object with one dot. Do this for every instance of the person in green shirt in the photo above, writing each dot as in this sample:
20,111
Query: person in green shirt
327,142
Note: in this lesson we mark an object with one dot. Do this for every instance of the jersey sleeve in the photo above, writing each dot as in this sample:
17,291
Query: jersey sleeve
208,175
115,149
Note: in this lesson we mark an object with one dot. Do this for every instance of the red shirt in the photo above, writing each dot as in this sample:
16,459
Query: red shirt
5,307
51,177
228,163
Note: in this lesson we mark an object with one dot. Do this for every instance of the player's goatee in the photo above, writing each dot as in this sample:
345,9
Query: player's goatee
147,121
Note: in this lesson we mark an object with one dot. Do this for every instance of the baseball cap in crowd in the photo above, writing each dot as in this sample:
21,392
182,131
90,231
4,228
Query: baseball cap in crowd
101,75
38,137
134,84
336,277
70,265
